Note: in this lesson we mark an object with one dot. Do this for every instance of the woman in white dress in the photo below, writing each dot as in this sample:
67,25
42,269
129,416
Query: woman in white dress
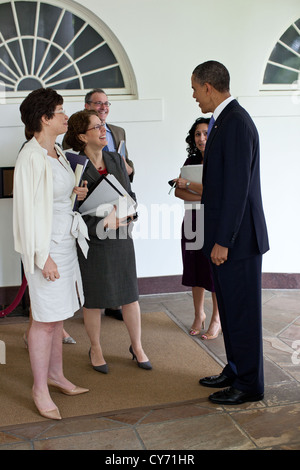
45,232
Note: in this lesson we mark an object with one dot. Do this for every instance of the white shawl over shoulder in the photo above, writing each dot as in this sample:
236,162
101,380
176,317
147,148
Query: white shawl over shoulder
32,205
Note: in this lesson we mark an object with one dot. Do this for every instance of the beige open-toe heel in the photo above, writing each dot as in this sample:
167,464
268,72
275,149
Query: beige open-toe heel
194,331
207,336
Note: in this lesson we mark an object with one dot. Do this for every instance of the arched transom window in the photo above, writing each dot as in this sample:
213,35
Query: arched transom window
43,43
283,67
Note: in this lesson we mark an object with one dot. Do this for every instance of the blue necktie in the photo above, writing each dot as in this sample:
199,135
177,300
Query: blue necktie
210,125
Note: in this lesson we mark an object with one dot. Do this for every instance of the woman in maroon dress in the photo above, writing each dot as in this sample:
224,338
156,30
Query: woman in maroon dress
196,268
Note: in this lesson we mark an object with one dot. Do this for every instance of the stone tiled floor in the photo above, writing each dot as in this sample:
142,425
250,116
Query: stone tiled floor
273,423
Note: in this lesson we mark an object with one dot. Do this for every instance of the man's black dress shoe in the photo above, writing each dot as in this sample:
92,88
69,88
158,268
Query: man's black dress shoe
232,396
216,381
116,313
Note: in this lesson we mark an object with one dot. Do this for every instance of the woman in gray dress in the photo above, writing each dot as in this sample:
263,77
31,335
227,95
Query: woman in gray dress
109,272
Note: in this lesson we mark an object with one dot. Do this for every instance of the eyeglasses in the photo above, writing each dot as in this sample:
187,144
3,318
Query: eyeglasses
60,111
100,103
97,127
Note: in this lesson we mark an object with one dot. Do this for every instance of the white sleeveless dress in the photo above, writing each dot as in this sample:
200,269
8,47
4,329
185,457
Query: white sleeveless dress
58,300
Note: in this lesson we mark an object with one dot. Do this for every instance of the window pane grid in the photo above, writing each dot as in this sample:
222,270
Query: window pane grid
53,48
283,66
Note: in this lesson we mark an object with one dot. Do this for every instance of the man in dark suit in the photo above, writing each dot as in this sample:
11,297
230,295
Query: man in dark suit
235,233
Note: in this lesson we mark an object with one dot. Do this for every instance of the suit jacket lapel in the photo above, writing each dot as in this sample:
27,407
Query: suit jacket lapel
91,173
113,165
214,132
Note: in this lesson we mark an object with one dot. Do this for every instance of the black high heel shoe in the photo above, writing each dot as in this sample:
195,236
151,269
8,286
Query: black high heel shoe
143,365
103,368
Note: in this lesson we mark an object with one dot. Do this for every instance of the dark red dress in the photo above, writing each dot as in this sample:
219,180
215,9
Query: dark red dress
196,266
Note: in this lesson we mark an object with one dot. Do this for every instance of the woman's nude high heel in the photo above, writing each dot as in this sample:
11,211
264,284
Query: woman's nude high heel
74,391
50,414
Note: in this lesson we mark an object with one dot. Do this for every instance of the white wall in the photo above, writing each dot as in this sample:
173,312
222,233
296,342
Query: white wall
164,41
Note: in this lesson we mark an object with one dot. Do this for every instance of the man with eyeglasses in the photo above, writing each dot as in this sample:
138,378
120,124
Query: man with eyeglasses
97,100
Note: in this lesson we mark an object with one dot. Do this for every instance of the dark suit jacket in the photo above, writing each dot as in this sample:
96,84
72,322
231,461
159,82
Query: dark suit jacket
118,134
233,211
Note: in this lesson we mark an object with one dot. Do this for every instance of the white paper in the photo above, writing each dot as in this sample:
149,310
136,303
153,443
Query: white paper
78,164
121,149
104,196
192,173
78,173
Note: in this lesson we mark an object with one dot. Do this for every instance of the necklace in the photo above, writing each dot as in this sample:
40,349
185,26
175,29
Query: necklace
58,155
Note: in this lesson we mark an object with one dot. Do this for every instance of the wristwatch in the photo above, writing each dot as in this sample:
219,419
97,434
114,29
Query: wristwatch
187,184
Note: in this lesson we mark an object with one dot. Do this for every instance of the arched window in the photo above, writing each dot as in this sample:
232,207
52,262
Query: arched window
283,67
60,45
